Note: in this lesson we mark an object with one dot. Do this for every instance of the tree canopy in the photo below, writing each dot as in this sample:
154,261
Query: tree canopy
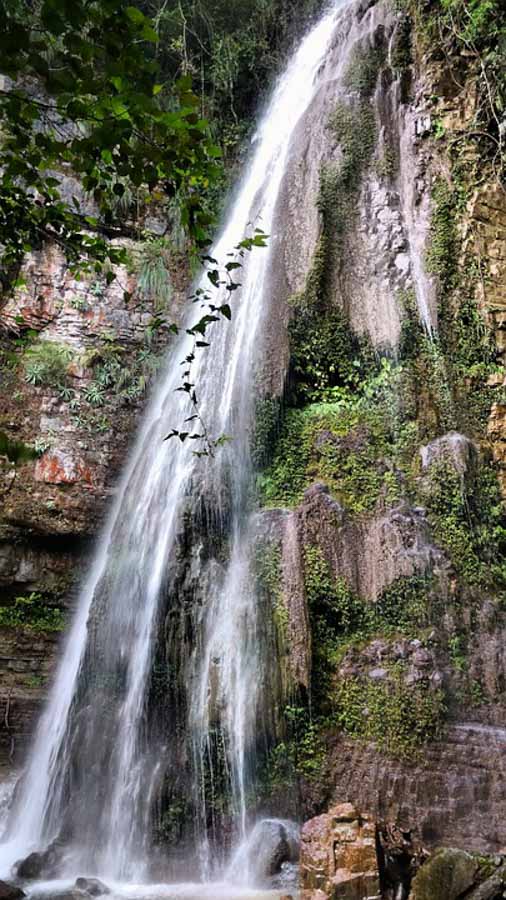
81,95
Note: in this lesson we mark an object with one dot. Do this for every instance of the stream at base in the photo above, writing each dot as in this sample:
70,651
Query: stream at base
51,890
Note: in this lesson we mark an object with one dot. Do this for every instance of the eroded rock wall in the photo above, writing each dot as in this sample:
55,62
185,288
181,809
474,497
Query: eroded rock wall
78,354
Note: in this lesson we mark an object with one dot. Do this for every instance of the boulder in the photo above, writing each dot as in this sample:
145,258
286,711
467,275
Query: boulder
10,891
271,843
447,875
338,856
92,886
39,865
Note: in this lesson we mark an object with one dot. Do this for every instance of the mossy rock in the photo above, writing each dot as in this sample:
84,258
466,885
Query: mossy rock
445,876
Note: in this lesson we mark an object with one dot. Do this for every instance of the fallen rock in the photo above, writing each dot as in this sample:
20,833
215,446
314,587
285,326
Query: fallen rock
10,891
445,876
92,886
338,856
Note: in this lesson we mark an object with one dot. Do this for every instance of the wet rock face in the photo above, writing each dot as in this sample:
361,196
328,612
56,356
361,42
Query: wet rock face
369,554
450,796
53,505
10,891
338,856
40,865
456,449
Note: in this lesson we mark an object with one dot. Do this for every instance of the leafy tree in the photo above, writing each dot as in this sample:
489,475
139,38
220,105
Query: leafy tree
81,95
231,51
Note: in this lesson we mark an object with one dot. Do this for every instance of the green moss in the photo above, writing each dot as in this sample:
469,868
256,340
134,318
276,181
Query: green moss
447,875
399,718
33,614
358,445
171,825
354,126
467,519
362,72
401,55
266,428
406,604
442,255
267,571
301,754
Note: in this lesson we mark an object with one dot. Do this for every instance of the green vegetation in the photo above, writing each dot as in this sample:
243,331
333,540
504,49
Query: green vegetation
96,69
358,445
476,28
325,356
442,256
267,571
231,52
170,828
398,717
32,613
363,69
467,519
46,363
301,755
153,265
16,452
267,423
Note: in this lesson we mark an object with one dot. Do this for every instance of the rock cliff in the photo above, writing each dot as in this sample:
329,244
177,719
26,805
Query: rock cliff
381,447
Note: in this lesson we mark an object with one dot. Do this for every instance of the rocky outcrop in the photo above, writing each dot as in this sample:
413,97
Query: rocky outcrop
456,449
452,795
27,661
346,855
369,554
338,856
10,891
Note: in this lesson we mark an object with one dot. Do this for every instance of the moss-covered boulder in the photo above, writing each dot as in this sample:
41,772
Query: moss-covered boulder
445,876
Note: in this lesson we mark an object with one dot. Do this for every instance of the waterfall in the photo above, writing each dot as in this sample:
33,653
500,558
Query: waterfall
93,772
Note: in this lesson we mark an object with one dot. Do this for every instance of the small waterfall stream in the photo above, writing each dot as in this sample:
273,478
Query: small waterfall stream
92,773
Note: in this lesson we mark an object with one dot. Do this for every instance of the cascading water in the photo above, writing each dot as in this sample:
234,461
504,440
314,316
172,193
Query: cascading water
92,772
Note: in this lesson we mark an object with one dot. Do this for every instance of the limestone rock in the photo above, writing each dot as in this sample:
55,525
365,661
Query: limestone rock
338,856
446,876
369,554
